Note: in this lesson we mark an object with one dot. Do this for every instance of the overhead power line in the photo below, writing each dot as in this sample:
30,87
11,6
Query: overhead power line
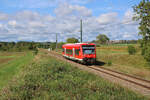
81,30
132,3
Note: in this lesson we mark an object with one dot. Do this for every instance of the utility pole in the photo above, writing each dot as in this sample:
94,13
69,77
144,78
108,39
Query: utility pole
81,30
56,41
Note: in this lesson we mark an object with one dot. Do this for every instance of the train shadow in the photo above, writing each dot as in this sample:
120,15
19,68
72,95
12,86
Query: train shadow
100,63
97,63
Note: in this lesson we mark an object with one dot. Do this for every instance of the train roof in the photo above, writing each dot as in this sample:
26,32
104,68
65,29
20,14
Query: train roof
78,44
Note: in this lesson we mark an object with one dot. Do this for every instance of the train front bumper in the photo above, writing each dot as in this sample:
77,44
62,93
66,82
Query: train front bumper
89,60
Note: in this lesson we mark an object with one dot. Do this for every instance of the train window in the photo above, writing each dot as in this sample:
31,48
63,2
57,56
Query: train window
88,51
88,46
77,51
69,51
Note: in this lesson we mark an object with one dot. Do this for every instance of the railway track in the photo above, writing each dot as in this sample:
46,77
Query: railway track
137,84
138,81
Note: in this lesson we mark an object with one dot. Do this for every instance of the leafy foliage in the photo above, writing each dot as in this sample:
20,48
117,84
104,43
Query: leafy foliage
59,45
147,53
131,50
109,63
102,39
19,46
72,40
143,15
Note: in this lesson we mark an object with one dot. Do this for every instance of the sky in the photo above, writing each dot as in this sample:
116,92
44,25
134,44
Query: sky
40,20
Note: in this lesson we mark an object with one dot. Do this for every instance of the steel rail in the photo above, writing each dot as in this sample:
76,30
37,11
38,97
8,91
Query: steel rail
126,79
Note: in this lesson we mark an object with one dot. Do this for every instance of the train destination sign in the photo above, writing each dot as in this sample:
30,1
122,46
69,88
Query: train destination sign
88,47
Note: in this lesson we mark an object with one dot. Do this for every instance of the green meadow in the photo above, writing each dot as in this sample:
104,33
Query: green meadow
118,56
47,78
121,60
11,63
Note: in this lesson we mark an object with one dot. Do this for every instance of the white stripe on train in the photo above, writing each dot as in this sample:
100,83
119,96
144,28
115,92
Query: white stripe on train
73,58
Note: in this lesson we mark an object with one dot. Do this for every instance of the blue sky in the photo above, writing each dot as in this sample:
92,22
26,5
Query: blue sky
97,6
40,20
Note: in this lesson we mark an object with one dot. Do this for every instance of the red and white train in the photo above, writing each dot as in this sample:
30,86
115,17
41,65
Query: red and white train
82,52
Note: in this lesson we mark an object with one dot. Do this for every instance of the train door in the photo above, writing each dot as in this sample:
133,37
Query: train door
73,52
65,51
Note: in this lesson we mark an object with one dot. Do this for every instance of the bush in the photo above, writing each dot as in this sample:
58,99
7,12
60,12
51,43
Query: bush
36,51
131,50
147,54
109,63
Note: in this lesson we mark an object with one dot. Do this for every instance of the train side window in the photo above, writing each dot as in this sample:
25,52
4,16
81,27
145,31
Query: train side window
77,51
69,51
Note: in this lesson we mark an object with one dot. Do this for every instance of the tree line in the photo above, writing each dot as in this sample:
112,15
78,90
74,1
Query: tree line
17,46
24,45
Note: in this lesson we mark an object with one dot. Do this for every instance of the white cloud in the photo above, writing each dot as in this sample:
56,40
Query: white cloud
27,15
36,24
12,23
108,18
127,35
42,3
128,18
77,1
1,25
28,25
67,10
48,18
3,16
32,3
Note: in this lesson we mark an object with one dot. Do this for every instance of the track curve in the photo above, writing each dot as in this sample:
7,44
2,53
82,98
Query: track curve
134,83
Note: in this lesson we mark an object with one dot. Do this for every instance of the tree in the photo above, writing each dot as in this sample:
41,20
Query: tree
53,45
72,40
102,38
142,11
131,50
59,45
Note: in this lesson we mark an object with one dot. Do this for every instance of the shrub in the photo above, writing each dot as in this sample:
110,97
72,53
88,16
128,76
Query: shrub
131,50
98,45
147,54
109,63
36,51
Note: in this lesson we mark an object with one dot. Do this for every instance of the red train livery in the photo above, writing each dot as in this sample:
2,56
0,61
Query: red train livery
83,52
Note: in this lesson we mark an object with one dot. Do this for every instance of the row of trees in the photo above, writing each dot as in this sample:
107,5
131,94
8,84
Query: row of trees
100,39
19,46
103,39
24,46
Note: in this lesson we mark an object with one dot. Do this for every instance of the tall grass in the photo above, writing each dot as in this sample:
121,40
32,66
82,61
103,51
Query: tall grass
47,78
122,61
7,71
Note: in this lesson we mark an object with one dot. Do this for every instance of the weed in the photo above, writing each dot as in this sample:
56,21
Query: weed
131,50
49,78
109,63
8,70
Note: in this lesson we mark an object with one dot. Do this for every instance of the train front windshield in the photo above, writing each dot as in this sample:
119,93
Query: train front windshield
88,49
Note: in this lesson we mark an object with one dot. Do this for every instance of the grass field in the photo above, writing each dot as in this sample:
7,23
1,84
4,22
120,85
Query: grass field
11,63
118,55
122,61
47,78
